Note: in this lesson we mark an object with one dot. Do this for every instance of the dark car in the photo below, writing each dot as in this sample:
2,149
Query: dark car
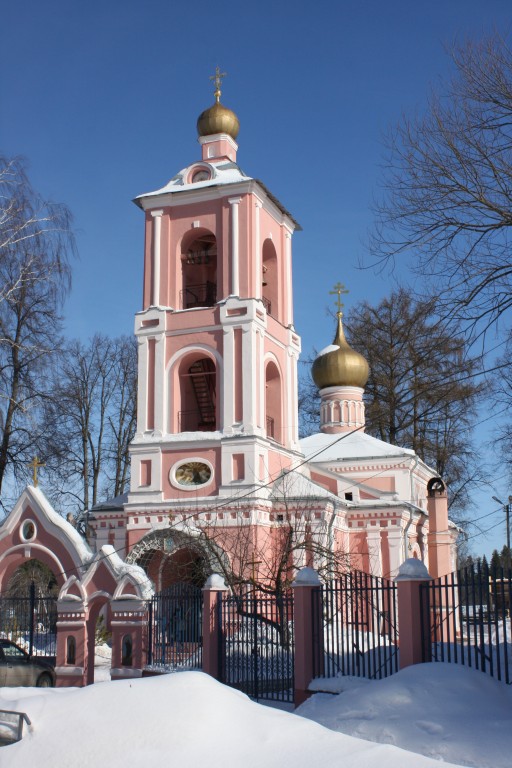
17,668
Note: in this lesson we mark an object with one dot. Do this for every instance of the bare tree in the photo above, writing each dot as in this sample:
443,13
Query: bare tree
35,243
448,187
122,417
93,418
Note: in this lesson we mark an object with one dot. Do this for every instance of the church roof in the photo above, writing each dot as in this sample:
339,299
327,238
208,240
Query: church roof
223,173
347,446
295,485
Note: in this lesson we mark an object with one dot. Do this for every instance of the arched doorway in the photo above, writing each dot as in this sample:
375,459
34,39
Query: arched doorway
174,557
178,564
28,609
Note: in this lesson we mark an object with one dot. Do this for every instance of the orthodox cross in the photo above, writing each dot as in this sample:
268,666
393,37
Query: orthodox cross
339,288
217,78
35,464
254,563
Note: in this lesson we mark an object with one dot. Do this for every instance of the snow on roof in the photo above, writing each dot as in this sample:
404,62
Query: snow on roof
345,446
295,485
222,173
117,502
121,568
83,550
327,349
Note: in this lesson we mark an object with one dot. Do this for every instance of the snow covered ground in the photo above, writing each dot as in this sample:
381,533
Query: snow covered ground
445,711
448,712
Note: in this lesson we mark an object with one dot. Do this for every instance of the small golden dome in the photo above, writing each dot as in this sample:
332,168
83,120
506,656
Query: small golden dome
339,365
218,119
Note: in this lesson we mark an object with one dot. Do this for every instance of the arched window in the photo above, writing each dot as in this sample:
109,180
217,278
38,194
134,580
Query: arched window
198,394
270,279
199,271
70,649
273,402
127,651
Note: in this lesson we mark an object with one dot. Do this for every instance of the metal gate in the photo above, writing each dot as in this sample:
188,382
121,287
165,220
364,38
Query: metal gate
257,645
175,621
355,627
466,619
31,622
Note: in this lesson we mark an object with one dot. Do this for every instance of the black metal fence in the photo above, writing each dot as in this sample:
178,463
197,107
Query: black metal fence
31,622
256,653
355,627
466,620
174,639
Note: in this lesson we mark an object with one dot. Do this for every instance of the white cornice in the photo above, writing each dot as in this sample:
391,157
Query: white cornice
183,196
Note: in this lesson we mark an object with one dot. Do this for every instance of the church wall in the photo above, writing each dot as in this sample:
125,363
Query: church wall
359,551
326,482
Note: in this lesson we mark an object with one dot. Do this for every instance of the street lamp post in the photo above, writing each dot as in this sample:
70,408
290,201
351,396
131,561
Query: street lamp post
507,508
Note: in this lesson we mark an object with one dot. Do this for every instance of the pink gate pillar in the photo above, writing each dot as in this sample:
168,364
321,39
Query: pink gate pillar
129,621
213,588
411,575
71,662
305,582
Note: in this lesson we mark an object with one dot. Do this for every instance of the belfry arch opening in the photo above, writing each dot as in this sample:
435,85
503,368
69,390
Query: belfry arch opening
198,270
270,279
198,394
273,402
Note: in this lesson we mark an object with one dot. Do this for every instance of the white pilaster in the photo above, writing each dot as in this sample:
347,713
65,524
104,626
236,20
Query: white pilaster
142,395
229,379
157,236
373,539
395,550
160,399
248,378
258,257
288,319
235,242
261,384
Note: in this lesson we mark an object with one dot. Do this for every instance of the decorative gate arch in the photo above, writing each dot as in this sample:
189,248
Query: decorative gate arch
159,549
87,581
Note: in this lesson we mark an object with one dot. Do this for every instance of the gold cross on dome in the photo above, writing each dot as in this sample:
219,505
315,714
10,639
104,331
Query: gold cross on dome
339,288
217,78
36,464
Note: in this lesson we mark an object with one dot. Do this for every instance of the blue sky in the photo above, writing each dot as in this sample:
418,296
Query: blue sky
102,98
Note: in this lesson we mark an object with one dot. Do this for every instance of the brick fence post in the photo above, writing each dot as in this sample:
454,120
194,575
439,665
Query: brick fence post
412,574
212,592
305,583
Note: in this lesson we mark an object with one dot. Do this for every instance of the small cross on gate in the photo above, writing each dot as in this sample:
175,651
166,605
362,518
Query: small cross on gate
339,288
36,464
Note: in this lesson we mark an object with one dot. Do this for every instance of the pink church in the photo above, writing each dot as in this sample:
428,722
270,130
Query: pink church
218,469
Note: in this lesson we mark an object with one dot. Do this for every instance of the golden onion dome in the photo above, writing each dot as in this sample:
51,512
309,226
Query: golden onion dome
339,365
218,119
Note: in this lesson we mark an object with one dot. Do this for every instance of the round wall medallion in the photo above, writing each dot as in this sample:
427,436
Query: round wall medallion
191,474
28,530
